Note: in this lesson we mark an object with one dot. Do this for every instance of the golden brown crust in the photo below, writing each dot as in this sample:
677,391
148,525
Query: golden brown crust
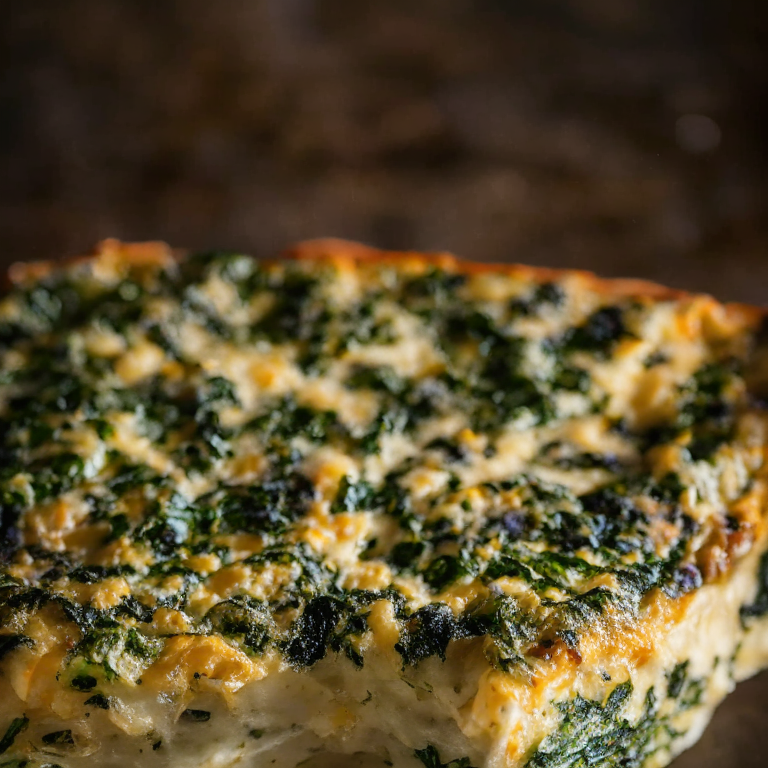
346,253
343,252
146,253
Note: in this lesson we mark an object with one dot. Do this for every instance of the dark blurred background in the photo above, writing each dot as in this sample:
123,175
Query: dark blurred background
625,136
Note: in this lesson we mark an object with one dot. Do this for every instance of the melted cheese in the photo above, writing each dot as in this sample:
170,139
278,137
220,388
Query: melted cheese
287,514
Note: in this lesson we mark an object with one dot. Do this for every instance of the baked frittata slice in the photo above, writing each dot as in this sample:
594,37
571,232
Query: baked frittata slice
362,508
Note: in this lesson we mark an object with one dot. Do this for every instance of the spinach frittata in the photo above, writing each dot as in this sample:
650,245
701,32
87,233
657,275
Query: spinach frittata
391,509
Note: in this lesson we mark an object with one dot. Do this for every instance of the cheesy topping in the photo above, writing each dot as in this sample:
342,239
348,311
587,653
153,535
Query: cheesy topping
216,468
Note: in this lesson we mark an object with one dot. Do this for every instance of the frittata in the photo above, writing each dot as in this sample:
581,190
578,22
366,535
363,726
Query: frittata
354,508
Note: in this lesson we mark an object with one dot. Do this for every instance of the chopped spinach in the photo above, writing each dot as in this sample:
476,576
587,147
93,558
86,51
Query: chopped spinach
10,643
445,570
98,700
593,733
759,607
426,633
83,682
243,618
312,631
58,738
17,726
353,497
546,294
431,759
196,715
599,332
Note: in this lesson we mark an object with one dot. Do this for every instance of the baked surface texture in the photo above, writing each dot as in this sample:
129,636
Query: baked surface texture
357,508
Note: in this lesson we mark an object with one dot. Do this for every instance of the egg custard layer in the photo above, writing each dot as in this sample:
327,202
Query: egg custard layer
358,508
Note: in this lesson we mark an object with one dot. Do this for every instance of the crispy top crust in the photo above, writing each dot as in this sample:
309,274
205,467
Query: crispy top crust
347,253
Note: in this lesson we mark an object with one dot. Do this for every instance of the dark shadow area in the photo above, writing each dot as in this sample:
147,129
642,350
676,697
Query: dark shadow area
624,136
737,734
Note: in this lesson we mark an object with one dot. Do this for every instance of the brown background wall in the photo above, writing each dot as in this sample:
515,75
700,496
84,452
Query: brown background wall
619,135
625,136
